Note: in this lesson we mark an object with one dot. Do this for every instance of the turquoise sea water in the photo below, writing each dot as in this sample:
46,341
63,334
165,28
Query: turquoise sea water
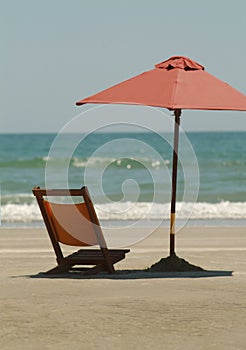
128,174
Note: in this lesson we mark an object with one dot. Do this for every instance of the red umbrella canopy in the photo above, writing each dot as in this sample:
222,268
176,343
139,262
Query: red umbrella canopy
177,83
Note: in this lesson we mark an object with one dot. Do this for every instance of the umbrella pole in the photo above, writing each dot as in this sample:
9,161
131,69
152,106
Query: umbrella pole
177,113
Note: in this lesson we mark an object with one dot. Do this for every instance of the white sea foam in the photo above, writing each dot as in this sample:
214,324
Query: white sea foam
136,211
20,213
156,211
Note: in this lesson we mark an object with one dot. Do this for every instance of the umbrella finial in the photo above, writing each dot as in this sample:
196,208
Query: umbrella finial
180,62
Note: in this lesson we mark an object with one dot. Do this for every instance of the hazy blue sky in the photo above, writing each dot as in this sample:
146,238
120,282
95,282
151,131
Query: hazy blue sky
54,52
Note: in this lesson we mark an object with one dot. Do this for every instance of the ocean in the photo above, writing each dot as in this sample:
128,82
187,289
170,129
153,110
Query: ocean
128,175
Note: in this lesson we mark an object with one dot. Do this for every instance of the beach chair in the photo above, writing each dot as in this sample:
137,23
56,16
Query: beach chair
76,225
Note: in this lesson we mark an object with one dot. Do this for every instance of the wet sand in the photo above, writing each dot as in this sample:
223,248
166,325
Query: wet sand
128,311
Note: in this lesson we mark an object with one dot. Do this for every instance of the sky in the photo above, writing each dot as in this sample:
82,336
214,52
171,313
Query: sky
55,52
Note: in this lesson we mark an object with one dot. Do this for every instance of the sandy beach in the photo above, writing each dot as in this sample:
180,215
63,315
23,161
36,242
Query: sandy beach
127,311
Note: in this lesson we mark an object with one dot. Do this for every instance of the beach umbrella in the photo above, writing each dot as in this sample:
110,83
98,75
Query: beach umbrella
177,83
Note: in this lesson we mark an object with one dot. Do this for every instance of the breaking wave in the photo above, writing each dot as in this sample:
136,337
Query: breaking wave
28,211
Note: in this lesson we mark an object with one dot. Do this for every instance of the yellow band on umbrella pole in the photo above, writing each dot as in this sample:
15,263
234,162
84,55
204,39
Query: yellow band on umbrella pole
172,224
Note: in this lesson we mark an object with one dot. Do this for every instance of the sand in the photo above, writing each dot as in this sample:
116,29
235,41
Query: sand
130,311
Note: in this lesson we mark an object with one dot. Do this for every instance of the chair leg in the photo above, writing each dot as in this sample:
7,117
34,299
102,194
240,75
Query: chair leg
73,260
89,271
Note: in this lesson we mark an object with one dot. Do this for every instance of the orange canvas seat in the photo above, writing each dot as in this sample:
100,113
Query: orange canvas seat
76,225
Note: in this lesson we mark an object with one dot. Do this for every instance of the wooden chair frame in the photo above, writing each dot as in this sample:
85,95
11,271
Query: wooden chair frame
100,259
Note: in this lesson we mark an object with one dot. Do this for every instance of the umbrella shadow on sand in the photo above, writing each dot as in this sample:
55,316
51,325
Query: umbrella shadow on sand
137,274
170,267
